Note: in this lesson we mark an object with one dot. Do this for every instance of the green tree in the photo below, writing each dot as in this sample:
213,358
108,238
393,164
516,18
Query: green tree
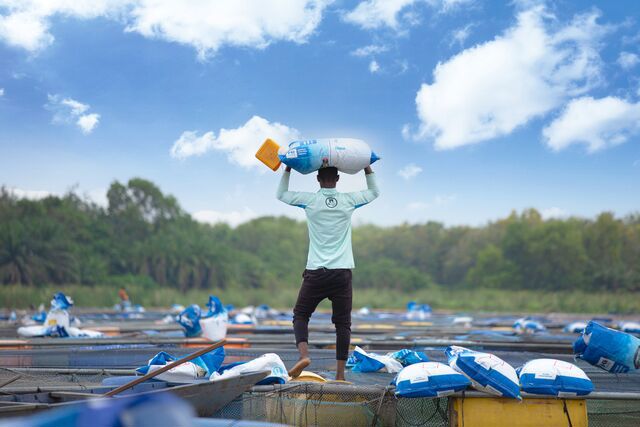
493,270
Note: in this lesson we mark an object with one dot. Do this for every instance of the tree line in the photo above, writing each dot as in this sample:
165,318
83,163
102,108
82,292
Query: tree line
145,236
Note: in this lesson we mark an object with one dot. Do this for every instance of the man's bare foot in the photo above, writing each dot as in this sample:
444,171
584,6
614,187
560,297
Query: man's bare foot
340,366
300,365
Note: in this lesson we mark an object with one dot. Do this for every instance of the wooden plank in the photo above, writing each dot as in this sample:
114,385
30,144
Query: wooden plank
502,412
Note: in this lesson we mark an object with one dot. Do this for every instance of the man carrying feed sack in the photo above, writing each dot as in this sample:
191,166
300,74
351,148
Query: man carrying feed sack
330,258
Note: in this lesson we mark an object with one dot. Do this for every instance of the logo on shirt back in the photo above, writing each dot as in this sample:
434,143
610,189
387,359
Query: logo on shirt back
331,202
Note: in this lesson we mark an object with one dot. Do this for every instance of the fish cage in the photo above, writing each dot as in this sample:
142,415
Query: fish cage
54,364
332,405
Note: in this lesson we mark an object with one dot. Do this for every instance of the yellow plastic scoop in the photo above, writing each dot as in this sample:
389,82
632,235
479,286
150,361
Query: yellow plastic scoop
268,154
308,376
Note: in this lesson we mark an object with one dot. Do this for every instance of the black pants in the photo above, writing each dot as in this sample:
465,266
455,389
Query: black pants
316,286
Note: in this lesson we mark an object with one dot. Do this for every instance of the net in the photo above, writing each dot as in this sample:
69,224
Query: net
311,404
314,404
610,413
20,380
324,404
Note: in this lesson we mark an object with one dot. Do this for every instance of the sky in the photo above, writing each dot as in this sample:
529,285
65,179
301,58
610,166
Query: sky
476,107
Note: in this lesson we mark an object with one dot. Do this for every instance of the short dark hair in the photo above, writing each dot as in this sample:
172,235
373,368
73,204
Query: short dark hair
328,173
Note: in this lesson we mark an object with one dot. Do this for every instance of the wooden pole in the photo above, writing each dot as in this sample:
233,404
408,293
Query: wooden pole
164,368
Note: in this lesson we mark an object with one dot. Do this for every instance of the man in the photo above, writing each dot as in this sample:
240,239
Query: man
330,258
123,295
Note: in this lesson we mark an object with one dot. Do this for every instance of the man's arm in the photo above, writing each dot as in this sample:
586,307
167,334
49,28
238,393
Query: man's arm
361,198
294,198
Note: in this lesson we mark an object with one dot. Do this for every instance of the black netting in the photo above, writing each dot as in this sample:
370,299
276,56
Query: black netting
311,404
314,404
29,380
613,413
422,412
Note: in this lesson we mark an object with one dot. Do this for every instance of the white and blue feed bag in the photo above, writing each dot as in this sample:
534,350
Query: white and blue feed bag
417,311
267,362
429,379
214,323
528,326
199,368
486,372
371,362
575,327
57,322
349,155
243,319
630,327
553,377
614,351
189,319
83,333
408,357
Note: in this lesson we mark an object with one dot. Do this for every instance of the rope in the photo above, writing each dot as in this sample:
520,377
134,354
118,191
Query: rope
374,421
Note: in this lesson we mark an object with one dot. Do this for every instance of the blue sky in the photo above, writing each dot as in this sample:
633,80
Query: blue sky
477,107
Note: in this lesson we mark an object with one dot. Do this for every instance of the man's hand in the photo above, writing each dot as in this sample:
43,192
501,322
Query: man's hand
368,170
287,169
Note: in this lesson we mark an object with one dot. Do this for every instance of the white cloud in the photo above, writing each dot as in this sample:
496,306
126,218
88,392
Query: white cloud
240,144
371,14
369,50
1,91
98,196
68,110
403,65
209,25
449,5
406,131
409,171
633,39
233,218
75,108
88,122
26,23
395,14
29,194
553,212
204,25
461,35
374,67
597,123
628,60
491,89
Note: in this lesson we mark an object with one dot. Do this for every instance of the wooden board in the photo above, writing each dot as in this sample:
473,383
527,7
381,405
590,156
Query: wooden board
502,412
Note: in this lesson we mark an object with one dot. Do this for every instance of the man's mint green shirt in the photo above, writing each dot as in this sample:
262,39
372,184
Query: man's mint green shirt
329,220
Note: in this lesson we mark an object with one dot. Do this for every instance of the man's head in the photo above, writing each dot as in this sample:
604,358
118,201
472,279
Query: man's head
328,177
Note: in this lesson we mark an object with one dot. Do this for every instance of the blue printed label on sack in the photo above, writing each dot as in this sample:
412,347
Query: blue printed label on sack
605,364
